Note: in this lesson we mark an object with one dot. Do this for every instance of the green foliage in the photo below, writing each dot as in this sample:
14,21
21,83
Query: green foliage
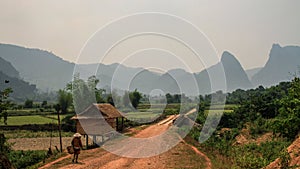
64,100
259,126
135,98
263,109
33,119
68,124
250,156
110,99
5,147
4,104
176,98
83,92
24,159
44,104
285,159
28,103
258,156
287,122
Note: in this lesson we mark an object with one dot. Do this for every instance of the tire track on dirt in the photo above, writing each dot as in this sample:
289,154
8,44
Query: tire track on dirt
105,159
208,161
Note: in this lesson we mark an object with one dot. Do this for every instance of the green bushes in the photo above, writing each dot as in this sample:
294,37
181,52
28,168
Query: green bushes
250,156
258,156
68,125
24,159
20,159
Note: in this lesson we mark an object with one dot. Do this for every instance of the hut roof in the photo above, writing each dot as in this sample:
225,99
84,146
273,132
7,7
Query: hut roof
99,111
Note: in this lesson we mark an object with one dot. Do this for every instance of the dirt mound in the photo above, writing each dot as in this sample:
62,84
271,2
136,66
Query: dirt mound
245,137
294,152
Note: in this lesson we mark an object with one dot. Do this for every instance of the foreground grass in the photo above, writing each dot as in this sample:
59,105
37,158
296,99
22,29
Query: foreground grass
218,161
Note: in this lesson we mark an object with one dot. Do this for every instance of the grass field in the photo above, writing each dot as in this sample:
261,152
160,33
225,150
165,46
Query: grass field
34,134
217,111
35,119
225,107
142,116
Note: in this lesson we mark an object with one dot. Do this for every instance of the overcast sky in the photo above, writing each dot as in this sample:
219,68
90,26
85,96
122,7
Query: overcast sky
246,28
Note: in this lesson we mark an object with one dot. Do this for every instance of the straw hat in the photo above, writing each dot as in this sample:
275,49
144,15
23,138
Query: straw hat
77,135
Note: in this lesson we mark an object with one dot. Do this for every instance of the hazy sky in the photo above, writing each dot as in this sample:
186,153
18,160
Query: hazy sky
246,28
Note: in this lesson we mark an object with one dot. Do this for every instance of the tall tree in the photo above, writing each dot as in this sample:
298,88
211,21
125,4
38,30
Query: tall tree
64,100
28,103
135,98
4,103
126,99
4,146
84,92
288,120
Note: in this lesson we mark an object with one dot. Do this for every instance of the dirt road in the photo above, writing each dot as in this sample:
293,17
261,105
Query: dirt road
182,155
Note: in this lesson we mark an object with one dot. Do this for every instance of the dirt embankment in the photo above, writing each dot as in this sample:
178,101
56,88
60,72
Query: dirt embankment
294,152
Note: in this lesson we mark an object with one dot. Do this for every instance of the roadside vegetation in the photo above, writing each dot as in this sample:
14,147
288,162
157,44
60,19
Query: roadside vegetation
256,127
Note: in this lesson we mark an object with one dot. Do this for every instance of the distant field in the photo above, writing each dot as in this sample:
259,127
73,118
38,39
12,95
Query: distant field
217,111
168,106
142,116
226,107
35,119
28,112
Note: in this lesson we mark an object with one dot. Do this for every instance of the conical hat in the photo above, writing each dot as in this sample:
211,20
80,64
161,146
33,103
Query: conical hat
77,135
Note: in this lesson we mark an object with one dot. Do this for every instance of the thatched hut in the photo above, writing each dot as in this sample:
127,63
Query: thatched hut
99,120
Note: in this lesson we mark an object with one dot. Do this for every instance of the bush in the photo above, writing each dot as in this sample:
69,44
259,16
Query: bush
68,124
24,159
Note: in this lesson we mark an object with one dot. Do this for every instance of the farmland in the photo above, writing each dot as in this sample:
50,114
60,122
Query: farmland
34,119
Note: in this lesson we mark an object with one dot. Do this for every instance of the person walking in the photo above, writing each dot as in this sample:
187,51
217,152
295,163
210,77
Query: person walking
77,145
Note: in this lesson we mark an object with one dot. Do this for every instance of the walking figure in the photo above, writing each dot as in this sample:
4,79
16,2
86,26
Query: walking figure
77,145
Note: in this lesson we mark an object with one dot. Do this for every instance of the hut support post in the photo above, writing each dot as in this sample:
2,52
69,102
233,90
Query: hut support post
94,140
117,124
122,125
87,141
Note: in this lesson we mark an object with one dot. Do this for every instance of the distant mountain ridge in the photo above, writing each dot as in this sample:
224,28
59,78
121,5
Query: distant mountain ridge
8,69
49,72
282,65
9,78
252,72
46,70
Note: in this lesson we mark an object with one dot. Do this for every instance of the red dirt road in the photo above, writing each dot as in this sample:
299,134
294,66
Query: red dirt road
182,155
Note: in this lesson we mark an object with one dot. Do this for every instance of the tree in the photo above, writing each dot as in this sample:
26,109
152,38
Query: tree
4,146
288,120
126,99
84,92
169,98
28,103
135,98
4,104
44,103
110,99
64,100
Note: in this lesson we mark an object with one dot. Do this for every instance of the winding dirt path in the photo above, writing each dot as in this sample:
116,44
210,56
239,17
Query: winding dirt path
182,155
207,160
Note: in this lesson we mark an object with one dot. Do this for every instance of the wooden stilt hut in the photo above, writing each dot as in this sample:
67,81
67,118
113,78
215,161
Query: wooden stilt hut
99,120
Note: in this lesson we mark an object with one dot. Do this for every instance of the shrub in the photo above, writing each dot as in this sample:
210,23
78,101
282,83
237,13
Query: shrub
24,159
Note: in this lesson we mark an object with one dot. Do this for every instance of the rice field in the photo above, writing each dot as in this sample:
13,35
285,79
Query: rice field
34,119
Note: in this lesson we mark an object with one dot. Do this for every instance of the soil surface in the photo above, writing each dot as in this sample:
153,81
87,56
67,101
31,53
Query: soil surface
182,155
41,143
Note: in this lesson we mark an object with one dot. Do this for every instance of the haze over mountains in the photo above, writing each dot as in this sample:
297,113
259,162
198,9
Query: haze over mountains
9,77
49,72
282,65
